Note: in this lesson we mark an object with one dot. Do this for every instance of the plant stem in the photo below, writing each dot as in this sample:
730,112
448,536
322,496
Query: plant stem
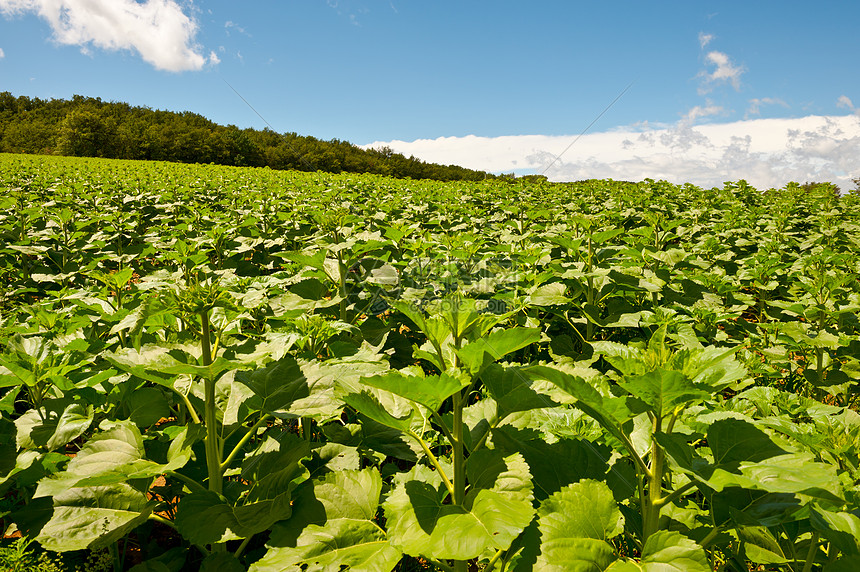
651,512
810,554
459,458
245,438
493,560
191,483
711,535
435,462
188,406
671,497
242,547
213,457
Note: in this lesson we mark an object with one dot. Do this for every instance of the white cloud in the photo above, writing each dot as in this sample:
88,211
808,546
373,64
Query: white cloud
757,103
699,111
229,24
158,30
2,54
765,152
705,39
725,71
845,102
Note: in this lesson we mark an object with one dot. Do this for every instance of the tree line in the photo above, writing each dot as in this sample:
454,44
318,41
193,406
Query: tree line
90,127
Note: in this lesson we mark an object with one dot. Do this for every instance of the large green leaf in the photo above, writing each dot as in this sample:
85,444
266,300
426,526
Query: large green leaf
663,390
610,412
760,545
221,562
429,391
275,386
273,472
323,379
359,545
554,465
552,294
482,351
512,390
115,456
497,508
367,404
840,528
667,551
51,429
93,517
575,523
734,441
333,526
147,406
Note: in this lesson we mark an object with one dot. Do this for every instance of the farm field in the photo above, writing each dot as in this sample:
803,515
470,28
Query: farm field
220,368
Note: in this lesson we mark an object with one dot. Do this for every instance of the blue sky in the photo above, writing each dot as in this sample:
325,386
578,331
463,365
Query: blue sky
720,90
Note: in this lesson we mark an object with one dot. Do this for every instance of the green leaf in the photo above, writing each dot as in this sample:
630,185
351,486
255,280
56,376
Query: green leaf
93,517
421,522
663,390
609,412
429,391
170,561
479,353
666,551
512,390
552,294
575,524
367,404
734,441
275,386
221,562
760,545
554,465
51,430
333,525
205,517
840,528
358,545
273,472
147,406
109,457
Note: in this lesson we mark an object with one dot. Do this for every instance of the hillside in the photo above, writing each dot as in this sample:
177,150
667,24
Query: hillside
90,127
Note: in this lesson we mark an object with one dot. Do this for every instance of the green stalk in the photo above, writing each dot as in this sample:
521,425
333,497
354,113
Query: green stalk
192,484
651,507
242,547
459,457
245,438
589,326
435,462
810,554
492,563
213,456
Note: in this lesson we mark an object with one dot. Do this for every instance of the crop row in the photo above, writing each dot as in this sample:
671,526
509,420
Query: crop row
285,370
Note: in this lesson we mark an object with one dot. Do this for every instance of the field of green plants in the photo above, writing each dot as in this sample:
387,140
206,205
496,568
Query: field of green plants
224,369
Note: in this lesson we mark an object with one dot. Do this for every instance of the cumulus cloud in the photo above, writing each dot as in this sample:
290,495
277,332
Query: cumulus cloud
765,152
2,54
724,72
158,30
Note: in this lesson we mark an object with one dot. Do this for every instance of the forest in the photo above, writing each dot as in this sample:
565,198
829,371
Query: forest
90,127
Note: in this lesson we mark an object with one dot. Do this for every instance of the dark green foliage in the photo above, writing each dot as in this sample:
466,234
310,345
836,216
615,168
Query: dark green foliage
90,127
249,369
